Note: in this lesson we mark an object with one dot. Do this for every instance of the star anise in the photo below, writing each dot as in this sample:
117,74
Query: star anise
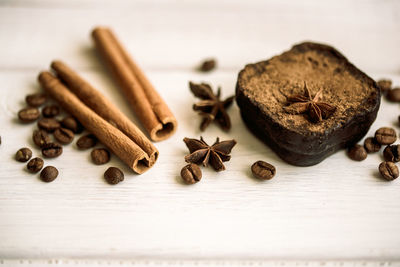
316,109
215,155
211,107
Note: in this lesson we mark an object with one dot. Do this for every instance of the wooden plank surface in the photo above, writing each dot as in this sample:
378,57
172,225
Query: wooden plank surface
337,210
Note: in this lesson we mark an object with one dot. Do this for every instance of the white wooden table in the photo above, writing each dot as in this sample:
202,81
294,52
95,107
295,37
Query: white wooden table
337,213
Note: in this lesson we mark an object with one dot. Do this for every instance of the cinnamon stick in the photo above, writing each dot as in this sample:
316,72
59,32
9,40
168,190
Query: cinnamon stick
103,107
148,105
121,145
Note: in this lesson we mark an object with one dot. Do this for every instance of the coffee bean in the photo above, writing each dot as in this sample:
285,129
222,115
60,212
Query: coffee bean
49,174
86,141
357,153
392,153
371,145
23,155
389,170
113,175
35,100
384,85
48,124
393,95
35,165
385,136
28,114
191,173
263,170
40,138
208,65
100,156
50,111
52,150
63,135
72,124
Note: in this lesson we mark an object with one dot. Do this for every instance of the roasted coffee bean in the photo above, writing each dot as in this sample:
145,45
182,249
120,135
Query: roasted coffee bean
86,141
100,156
35,165
208,65
191,173
36,100
50,111
52,150
393,95
49,174
385,136
40,138
392,153
63,135
48,124
389,170
28,114
384,85
113,175
72,124
357,153
371,145
263,170
23,155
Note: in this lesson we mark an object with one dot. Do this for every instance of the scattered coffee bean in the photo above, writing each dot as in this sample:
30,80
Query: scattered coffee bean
48,124
50,111
100,156
392,153
263,170
371,145
49,174
208,65
389,170
384,85
113,175
23,155
36,100
385,136
35,165
52,150
393,95
28,114
40,138
72,124
191,173
357,152
86,141
63,135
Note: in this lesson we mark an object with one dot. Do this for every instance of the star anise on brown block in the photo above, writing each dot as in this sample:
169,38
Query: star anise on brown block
211,107
215,155
316,109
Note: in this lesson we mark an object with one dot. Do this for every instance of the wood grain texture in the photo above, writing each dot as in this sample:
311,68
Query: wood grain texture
337,210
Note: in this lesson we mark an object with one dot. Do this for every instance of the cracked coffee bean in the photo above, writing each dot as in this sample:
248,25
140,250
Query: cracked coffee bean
113,175
50,111
385,136
263,170
388,170
100,156
28,114
191,173
40,138
35,165
357,152
393,95
36,100
63,135
52,150
48,124
72,124
392,153
371,145
49,174
86,141
23,155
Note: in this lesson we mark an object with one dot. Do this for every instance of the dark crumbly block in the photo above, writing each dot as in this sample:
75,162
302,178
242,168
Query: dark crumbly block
262,90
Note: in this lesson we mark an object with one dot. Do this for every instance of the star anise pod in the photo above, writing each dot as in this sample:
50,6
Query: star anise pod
215,155
210,106
316,109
